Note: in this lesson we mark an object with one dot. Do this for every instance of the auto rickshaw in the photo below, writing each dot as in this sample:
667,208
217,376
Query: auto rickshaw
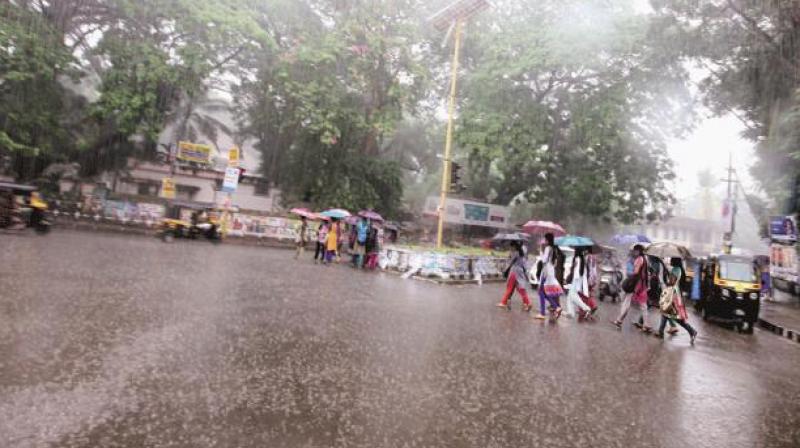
190,219
731,291
21,206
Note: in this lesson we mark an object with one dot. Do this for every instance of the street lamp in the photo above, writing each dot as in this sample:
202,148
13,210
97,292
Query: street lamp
454,15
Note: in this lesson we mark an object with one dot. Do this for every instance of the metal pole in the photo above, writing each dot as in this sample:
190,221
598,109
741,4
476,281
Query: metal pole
449,140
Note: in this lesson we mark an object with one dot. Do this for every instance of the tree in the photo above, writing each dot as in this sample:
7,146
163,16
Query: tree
32,101
574,125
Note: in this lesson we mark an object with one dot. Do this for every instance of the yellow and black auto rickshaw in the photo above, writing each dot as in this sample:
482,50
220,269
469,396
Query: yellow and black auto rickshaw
190,219
21,207
731,291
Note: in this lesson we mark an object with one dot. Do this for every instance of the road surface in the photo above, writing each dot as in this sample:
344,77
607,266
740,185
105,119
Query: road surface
113,341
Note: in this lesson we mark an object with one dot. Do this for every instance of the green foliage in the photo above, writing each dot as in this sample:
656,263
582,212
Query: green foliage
573,125
31,97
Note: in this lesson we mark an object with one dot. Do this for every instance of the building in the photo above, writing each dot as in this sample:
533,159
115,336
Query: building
701,236
144,180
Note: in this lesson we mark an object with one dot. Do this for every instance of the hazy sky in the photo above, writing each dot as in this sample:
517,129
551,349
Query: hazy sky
708,147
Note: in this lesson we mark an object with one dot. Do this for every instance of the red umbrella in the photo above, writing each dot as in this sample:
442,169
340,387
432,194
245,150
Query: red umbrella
304,212
542,227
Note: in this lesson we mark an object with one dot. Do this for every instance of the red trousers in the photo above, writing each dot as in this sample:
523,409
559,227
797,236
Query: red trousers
510,285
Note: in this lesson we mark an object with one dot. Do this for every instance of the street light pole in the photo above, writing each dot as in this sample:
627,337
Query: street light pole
448,146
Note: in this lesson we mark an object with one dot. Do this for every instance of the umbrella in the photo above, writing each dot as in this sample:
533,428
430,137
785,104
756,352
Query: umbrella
304,212
628,239
574,241
352,220
336,213
542,227
669,250
369,214
516,236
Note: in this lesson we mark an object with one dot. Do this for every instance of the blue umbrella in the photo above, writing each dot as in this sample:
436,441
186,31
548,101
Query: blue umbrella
629,238
336,213
574,241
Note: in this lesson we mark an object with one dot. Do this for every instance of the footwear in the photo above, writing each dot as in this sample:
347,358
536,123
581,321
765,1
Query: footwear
617,324
526,308
647,330
659,335
693,337
637,325
540,317
557,313
503,305
672,331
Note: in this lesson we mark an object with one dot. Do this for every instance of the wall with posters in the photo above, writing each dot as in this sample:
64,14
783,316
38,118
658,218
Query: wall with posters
124,211
783,262
458,211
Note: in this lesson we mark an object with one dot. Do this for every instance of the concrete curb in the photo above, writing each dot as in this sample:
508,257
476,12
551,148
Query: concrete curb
791,334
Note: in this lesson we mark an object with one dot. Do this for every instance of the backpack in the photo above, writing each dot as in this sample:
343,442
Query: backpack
667,301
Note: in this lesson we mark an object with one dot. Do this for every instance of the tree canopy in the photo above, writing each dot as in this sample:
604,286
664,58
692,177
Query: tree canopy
343,98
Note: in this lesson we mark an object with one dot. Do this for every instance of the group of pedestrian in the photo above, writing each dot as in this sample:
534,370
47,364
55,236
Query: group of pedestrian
582,280
670,303
363,242
551,281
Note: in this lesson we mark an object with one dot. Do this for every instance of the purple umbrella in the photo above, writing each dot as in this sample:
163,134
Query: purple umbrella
369,214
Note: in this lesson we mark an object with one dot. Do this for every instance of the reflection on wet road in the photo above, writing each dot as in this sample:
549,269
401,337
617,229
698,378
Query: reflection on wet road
110,341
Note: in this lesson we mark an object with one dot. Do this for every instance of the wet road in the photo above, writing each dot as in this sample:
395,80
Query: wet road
107,341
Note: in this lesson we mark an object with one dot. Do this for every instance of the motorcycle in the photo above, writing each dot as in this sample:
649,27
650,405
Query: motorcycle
610,283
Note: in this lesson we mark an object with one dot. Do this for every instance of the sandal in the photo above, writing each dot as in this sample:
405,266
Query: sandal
503,305
672,331
617,324
646,330
527,308
540,317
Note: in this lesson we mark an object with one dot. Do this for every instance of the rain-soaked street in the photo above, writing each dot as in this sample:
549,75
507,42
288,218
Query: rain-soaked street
112,341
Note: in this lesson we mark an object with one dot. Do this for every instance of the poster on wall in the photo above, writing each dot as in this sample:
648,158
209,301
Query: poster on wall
783,228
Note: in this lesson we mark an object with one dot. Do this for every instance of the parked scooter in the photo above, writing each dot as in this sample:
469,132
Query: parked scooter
610,283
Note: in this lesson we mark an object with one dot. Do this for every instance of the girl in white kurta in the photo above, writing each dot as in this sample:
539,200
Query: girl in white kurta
579,285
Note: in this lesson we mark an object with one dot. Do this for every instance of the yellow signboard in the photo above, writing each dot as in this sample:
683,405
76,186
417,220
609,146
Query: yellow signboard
167,188
193,152
233,157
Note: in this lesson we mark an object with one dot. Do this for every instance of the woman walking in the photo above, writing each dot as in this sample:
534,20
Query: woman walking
672,307
549,287
322,236
579,285
636,292
517,274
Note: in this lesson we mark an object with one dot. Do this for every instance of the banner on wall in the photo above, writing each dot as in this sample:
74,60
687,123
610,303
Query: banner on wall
194,152
783,228
458,211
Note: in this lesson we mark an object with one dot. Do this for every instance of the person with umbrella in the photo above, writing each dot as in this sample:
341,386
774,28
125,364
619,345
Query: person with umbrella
549,287
517,275
672,306
635,287
362,229
322,236
579,285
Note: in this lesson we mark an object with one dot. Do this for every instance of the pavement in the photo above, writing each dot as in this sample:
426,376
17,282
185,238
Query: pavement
115,341
781,315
